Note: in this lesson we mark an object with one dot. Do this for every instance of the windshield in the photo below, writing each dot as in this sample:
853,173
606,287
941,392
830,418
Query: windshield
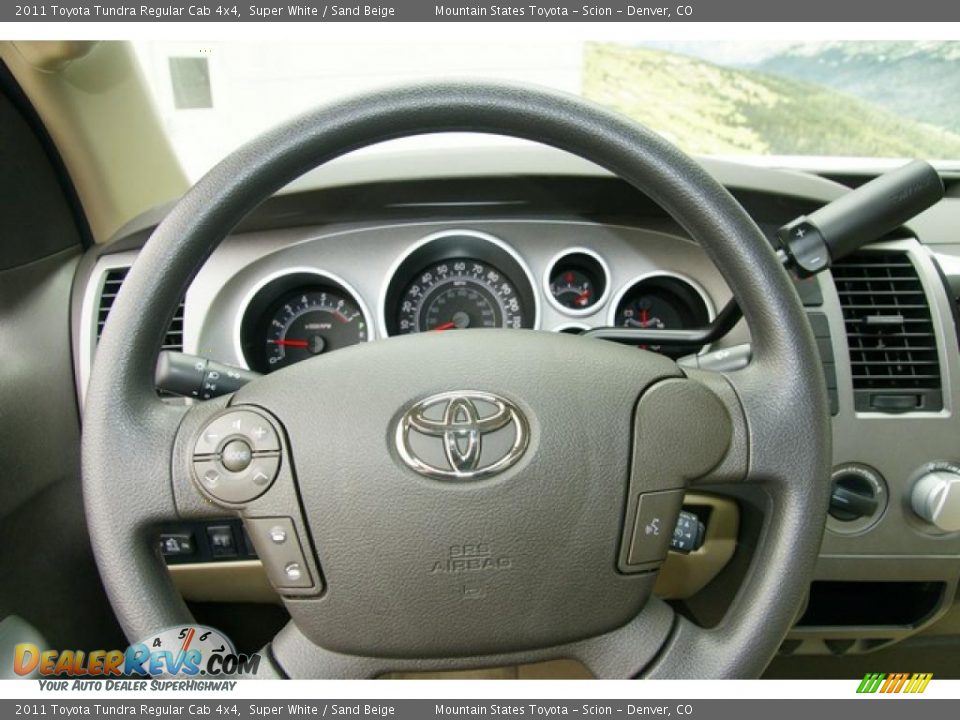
765,101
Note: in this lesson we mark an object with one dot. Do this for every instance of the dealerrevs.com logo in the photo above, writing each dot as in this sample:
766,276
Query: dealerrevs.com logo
912,683
179,652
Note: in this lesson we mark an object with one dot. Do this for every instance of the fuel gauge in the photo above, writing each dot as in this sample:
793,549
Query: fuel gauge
577,282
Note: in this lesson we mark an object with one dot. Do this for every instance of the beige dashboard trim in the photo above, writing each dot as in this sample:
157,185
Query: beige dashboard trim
97,108
563,669
681,575
239,581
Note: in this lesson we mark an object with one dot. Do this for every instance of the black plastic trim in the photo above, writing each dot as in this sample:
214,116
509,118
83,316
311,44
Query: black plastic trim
11,88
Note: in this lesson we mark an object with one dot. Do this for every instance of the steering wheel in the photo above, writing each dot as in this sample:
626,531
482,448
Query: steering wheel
473,498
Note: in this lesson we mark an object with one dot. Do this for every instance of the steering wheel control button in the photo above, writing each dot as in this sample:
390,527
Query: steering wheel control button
263,470
292,571
250,426
236,456
209,477
236,488
177,545
222,542
653,528
282,558
278,535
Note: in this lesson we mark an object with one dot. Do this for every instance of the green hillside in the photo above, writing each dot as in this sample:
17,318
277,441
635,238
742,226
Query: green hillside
918,80
708,109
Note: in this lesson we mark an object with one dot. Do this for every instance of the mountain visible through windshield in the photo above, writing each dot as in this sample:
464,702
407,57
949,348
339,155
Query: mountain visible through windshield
855,99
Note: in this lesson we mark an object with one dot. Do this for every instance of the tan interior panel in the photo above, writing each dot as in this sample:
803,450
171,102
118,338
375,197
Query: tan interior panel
53,55
548,670
95,104
240,581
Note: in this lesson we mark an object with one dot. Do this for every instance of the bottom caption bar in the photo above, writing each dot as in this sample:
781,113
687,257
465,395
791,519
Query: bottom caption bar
419,709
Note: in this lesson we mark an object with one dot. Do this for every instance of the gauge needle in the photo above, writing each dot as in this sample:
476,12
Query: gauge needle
446,326
644,322
582,298
289,343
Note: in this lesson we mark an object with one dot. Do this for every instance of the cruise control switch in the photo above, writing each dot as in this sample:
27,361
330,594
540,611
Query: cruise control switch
688,534
812,242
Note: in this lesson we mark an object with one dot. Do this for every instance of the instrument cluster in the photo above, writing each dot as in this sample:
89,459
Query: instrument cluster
452,281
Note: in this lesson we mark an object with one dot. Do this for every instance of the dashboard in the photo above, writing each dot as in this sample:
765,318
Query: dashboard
540,241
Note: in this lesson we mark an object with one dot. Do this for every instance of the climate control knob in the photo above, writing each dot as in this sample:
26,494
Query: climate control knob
936,497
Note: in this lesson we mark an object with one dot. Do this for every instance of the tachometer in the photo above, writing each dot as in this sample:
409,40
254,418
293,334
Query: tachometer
298,315
310,323
459,293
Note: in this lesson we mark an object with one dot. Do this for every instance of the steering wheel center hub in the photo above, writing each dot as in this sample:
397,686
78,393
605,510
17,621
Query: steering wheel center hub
489,519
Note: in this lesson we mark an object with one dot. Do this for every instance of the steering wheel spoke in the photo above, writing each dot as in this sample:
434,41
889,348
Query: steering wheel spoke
774,447
788,462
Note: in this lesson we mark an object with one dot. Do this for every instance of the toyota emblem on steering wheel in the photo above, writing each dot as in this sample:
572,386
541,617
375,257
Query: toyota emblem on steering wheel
462,435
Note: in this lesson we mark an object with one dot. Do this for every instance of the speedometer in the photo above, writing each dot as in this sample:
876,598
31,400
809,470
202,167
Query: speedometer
459,280
459,293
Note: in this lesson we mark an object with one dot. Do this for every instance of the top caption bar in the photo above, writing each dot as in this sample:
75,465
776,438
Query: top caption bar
432,10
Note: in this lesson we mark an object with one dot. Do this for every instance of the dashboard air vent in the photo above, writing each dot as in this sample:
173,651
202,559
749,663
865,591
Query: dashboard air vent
956,315
893,347
112,281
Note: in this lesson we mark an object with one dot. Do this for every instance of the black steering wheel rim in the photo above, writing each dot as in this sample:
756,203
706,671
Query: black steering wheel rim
129,434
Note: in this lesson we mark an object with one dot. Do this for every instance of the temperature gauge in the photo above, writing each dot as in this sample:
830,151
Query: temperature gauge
661,302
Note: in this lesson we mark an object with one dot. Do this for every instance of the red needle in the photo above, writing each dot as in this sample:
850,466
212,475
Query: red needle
644,317
582,298
290,343
187,640
446,326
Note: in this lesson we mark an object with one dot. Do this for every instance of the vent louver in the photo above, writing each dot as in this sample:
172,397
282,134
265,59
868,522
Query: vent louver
893,346
112,281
